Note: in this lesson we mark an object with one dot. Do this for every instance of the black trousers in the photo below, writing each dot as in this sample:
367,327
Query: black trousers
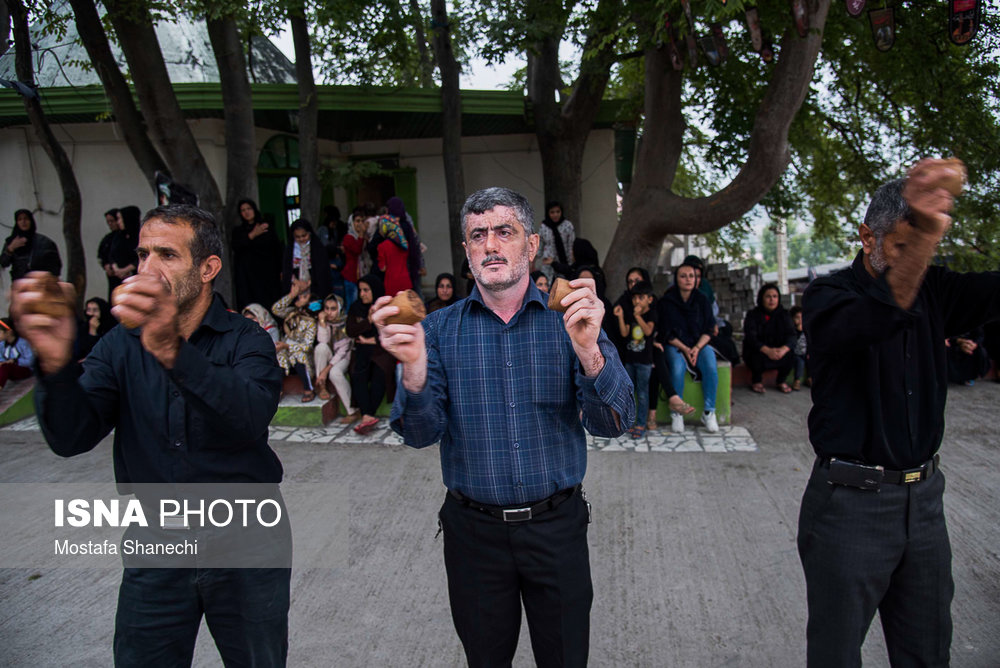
493,567
660,378
367,386
758,361
160,611
864,551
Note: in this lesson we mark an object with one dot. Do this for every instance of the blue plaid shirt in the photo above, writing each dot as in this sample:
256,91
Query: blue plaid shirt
509,401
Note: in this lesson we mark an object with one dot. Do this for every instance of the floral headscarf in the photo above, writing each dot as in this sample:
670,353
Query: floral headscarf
388,227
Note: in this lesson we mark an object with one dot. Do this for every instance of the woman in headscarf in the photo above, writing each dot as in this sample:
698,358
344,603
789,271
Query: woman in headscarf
124,261
27,250
306,260
97,322
373,370
557,235
444,293
540,280
257,258
393,254
333,355
769,339
295,350
414,254
112,218
16,356
353,245
262,317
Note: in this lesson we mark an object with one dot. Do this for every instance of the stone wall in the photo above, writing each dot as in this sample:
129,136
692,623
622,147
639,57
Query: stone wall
735,292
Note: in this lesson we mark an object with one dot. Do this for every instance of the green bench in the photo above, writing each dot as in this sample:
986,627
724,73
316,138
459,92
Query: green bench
693,395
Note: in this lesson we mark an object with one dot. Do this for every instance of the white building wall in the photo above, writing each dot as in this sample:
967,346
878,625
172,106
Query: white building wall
108,177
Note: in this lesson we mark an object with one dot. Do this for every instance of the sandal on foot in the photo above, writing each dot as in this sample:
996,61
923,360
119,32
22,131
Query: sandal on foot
366,426
681,407
308,396
758,388
324,394
350,418
797,385
637,431
784,388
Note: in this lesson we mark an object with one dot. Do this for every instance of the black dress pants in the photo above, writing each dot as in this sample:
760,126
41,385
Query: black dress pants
864,551
160,611
494,566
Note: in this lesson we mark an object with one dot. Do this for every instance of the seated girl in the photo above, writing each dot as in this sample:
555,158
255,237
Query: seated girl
262,317
333,355
372,368
295,351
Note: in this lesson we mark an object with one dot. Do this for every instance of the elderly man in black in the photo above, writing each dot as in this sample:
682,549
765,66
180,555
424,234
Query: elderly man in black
872,532
189,391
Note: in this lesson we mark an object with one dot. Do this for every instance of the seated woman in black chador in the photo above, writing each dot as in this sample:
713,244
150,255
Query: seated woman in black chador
769,339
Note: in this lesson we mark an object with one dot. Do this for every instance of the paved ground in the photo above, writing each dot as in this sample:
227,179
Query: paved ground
693,550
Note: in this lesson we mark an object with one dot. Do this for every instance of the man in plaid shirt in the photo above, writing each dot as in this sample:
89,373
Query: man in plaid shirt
507,386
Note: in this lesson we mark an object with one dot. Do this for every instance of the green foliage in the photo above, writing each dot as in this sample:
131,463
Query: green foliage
804,249
868,117
349,175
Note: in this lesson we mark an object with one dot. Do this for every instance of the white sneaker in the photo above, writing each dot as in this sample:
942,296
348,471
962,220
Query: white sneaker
676,423
711,424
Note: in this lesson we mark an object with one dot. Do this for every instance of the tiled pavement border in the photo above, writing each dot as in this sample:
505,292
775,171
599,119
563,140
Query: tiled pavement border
728,439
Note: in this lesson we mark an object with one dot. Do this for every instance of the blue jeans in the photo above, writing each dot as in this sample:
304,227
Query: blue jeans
707,367
350,294
160,610
800,367
639,375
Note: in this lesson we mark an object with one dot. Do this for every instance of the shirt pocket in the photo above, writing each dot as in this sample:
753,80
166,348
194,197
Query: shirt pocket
552,369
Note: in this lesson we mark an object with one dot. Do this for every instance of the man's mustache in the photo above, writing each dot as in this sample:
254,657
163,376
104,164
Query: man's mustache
492,258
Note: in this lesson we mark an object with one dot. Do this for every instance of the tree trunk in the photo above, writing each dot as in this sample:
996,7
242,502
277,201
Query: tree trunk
426,72
130,121
562,129
451,107
160,108
309,187
241,148
650,210
4,27
76,264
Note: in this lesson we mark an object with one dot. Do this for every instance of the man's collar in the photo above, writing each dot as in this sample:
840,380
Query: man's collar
860,270
532,294
215,318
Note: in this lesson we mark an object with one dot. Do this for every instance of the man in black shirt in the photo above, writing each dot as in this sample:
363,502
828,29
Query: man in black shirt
189,390
872,532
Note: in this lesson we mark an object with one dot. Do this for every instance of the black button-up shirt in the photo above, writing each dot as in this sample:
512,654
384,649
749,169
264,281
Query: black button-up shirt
205,420
880,374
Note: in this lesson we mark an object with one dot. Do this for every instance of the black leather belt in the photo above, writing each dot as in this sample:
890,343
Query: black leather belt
522,514
867,476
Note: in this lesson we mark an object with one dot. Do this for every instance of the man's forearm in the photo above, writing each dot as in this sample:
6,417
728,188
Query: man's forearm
415,375
591,360
908,271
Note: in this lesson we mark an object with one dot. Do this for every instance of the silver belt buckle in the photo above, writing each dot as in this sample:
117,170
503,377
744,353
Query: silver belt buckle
516,514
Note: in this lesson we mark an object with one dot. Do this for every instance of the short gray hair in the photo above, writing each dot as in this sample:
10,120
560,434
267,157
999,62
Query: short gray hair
886,209
207,239
487,199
